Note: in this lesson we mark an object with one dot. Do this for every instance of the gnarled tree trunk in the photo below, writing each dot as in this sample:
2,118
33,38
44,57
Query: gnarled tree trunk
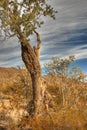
30,56
32,64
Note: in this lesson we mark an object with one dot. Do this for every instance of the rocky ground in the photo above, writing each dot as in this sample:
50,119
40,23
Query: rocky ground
12,107
15,89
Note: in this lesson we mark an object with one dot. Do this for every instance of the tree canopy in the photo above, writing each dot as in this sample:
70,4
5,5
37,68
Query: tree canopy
23,16
59,65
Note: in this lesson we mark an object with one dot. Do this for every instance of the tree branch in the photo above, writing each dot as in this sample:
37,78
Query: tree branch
38,39
37,49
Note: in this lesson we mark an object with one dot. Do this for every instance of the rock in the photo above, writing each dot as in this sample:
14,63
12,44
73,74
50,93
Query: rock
2,128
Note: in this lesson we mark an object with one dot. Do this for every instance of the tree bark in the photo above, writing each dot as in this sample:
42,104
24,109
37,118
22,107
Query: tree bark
40,96
36,106
32,64
31,58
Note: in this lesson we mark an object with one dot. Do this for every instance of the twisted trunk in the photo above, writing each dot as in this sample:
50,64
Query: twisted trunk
41,98
32,64
31,58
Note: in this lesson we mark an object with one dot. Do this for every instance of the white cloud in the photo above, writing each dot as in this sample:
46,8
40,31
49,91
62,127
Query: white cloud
56,35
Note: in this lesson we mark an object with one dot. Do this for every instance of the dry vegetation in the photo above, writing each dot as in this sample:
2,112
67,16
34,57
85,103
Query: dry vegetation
69,95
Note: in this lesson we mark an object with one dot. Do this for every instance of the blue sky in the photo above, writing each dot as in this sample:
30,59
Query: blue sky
62,37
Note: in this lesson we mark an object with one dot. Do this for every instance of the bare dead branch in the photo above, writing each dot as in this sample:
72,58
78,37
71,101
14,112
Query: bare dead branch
37,49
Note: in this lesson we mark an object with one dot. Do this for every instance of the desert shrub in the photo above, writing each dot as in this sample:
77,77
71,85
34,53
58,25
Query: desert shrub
20,89
56,95
72,89
69,94
62,120
23,83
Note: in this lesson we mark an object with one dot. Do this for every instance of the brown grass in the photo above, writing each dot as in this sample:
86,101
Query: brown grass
71,104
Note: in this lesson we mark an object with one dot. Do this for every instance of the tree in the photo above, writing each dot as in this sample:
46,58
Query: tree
59,65
21,18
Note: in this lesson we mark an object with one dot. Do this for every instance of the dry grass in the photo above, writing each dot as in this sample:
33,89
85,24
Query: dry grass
71,104
63,120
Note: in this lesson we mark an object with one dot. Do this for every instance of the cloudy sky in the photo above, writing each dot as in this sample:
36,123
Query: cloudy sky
62,37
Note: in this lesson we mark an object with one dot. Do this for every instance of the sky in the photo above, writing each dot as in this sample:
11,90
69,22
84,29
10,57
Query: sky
67,35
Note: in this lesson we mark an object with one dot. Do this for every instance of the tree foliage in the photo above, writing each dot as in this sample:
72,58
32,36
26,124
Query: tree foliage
59,65
23,15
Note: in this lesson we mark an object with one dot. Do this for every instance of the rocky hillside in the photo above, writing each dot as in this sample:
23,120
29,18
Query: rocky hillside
12,102
7,74
70,96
